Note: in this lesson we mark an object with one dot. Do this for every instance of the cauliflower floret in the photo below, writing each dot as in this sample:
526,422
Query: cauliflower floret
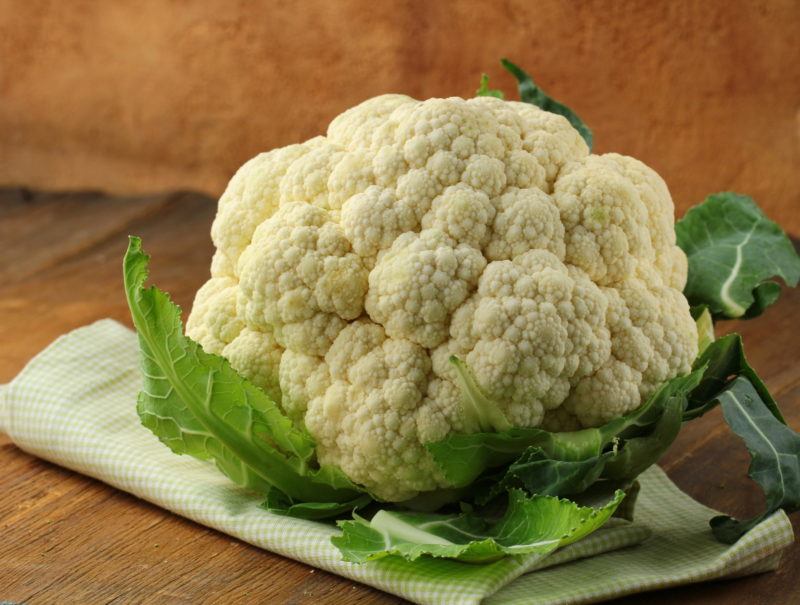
250,198
302,377
605,220
462,213
550,139
355,128
306,179
300,277
419,282
527,219
650,344
372,220
351,268
610,392
530,331
214,321
256,356
670,260
366,421
662,314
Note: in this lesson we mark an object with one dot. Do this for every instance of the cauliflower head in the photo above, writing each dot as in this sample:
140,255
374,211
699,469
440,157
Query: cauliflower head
351,268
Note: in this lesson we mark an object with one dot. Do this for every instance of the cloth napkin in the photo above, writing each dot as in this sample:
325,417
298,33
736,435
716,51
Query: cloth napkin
74,404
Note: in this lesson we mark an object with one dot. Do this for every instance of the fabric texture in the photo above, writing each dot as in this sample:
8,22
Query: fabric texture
74,405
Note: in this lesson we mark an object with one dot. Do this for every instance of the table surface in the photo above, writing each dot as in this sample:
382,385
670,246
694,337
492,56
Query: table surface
67,538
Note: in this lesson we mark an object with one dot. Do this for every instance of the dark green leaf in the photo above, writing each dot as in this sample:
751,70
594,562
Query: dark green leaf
463,458
538,474
639,453
603,490
534,472
775,452
278,503
764,295
734,251
627,509
529,92
427,502
724,360
636,443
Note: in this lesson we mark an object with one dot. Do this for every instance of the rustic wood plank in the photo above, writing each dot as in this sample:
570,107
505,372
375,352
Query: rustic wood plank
69,538
64,290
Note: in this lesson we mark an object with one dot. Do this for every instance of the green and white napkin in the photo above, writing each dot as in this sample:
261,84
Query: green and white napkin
74,404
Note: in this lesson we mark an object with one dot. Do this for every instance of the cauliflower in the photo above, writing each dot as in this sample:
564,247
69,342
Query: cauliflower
352,270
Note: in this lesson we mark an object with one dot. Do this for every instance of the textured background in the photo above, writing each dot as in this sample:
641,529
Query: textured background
157,95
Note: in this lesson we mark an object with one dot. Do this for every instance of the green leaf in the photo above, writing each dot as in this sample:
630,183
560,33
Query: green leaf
764,294
734,251
775,452
537,524
278,503
723,360
197,404
705,328
631,445
464,457
627,509
478,411
536,473
485,91
639,453
529,92
430,501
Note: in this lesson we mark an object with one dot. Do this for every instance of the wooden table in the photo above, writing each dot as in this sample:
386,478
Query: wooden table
69,539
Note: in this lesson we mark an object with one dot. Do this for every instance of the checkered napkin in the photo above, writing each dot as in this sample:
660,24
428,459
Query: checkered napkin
74,404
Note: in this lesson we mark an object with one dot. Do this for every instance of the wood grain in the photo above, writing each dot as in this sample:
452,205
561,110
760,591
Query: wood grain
66,538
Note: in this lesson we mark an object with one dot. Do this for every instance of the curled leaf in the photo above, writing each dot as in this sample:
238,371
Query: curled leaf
530,524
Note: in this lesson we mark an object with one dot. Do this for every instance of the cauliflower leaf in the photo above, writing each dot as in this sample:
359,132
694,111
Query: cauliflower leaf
705,328
530,524
725,360
529,92
485,91
196,404
734,253
278,503
775,452
566,462
480,413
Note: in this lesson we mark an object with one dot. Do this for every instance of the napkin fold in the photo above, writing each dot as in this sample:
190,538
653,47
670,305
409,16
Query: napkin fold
74,405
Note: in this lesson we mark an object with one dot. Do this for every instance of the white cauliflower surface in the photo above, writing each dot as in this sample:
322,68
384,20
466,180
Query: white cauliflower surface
350,268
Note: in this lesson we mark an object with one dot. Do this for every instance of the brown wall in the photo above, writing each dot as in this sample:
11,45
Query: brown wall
153,95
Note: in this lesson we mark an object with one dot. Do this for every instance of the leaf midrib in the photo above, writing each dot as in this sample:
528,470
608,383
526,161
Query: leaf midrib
735,308
732,396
